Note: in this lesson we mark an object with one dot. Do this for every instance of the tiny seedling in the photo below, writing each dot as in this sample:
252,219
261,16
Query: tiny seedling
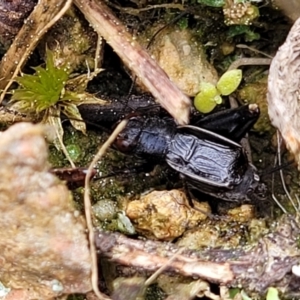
210,95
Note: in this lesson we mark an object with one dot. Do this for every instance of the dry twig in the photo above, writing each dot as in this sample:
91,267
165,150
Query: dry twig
249,61
136,58
269,263
88,208
7,116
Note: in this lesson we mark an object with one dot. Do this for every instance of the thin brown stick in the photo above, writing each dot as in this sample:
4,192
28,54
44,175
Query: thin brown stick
267,263
249,61
88,208
242,46
151,279
98,53
151,256
45,14
8,116
136,58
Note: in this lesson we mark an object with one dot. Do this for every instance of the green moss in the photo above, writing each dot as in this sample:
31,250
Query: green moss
74,152
47,93
154,292
119,185
42,90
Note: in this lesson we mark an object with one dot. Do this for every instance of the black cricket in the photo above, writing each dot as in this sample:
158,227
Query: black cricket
207,154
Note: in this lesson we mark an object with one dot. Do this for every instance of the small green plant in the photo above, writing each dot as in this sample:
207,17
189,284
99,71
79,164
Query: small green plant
46,94
243,30
210,95
272,294
44,89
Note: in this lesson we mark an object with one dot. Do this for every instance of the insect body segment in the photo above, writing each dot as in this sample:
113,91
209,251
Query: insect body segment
209,161
118,108
147,137
221,163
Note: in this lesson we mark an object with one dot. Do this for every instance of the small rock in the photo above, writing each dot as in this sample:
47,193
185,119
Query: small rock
165,215
44,249
183,59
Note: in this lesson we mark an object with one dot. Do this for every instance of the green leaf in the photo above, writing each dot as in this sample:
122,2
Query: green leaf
72,113
233,292
249,34
31,82
49,61
208,98
52,117
272,294
229,82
